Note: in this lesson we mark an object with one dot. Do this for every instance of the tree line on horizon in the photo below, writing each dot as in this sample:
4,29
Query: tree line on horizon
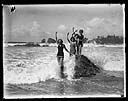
109,39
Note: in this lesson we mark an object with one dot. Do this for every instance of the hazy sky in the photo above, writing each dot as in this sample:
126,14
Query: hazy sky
35,22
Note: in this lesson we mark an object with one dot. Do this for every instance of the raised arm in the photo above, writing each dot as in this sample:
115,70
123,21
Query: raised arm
67,37
56,37
74,32
73,29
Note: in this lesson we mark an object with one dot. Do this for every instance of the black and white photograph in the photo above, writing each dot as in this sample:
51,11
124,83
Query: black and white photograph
64,51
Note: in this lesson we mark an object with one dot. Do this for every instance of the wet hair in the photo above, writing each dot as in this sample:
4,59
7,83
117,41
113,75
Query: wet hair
81,31
72,39
60,41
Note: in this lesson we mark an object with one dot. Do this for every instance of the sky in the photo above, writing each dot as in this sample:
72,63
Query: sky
35,22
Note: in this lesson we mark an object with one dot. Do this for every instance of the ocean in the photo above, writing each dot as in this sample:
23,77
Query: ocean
34,71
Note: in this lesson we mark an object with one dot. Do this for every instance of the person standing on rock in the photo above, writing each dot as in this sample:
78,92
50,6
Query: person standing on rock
72,42
76,37
81,38
60,54
77,43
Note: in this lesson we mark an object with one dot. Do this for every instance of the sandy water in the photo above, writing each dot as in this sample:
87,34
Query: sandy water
34,71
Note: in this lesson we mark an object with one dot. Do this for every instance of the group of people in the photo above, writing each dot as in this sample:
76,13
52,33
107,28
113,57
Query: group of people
76,44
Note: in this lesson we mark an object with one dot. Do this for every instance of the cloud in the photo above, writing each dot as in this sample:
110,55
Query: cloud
103,26
35,28
48,33
29,32
87,30
61,27
95,21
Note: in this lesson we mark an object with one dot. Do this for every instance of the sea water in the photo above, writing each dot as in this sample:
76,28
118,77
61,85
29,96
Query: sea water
28,65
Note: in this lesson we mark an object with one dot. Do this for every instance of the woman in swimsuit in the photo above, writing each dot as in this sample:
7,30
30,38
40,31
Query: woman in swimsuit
60,53
72,45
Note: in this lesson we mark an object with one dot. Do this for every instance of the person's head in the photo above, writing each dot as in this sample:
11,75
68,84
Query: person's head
81,31
60,41
72,39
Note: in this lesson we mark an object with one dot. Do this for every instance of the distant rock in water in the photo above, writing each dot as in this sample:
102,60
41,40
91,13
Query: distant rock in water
50,40
84,67
32,44
43,40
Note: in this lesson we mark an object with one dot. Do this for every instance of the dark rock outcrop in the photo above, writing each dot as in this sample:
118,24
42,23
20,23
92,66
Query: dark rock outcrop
32,44
45,45
84,67
43,40
50,40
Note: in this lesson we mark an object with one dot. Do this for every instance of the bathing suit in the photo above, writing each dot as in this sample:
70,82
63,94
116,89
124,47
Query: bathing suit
60,51
81,37
60,58
73,48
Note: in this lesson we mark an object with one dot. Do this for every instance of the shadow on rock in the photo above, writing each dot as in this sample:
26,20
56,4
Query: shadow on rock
84,67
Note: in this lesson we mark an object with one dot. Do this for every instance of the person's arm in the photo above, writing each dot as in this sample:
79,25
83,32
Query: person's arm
66,49
74,32
83,38
73,29
56,37
68,38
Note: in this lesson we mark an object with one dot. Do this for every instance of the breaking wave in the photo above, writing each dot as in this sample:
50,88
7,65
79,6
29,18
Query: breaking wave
35,66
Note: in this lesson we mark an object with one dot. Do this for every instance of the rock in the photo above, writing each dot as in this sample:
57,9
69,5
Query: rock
84,67
45,45
50,40
32,44
43,40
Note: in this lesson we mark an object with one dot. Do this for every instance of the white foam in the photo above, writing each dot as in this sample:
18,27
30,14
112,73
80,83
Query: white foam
102,45
114,66
69,67
105,59
37,70
43,68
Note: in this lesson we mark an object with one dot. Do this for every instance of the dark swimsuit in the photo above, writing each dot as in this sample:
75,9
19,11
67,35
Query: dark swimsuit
60,55
72,49
60,51
81,38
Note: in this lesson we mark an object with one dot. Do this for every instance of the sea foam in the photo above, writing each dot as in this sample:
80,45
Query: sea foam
43,68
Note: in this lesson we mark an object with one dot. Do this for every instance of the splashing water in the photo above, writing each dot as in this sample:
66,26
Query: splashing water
31,65
108,58
37,69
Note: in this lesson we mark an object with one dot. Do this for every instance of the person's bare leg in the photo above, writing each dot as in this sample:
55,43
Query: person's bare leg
62,67
80,49
77,50
58,60
61,61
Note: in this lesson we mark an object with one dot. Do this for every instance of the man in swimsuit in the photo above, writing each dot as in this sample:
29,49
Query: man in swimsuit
81,37
77,43
60,53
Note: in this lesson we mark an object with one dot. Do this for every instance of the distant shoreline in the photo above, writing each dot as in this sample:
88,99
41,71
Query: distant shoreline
23,44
